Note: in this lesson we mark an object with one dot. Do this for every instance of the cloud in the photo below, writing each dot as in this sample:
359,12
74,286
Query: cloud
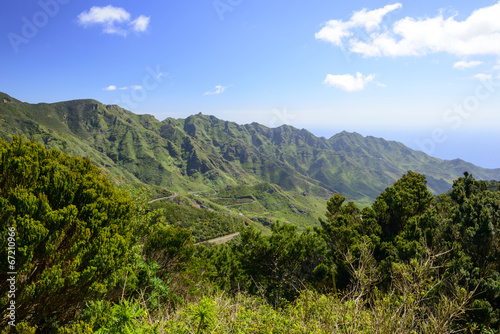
113,87
466,64
350,83
497,66
103,15
483,76
140,24
113,20
478,34
217,90
335,30
371,20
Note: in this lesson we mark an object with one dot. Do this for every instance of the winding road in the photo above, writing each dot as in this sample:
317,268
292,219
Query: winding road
220,240
226,206
164,198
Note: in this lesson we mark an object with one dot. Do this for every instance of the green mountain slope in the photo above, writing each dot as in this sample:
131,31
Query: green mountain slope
203,153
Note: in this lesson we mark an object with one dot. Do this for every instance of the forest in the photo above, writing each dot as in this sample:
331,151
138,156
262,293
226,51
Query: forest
92,257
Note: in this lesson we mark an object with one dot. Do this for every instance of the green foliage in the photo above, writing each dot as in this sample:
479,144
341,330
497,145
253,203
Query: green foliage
407,198
380,259
478,220
344,230
276,266
92,260
169,247
101,317
72,230
264,203
203,224
408,308
21,328
223,267
149,281
203,153
204,314
406,221
475,233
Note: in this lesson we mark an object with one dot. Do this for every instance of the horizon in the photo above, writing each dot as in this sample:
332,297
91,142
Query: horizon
423,74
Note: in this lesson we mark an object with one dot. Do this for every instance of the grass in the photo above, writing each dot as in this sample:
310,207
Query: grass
362,308
267,202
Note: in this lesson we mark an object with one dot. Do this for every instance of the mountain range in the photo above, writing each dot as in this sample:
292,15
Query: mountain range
203,153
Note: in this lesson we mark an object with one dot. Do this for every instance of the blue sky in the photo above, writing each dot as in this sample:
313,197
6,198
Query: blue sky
425,73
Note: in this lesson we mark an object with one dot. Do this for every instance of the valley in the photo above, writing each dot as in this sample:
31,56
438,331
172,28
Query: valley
265,174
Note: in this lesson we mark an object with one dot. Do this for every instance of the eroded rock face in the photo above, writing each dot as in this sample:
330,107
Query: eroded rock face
197,163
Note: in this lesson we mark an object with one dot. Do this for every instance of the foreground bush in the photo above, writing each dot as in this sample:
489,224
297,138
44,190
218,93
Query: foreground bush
417,302
72,231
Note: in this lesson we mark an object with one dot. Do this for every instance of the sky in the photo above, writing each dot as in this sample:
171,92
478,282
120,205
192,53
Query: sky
424,73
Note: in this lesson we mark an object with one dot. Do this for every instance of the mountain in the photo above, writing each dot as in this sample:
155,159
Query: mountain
204,153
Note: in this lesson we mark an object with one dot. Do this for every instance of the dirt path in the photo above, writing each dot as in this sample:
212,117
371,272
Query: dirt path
226,206
220,240
164,198
197,193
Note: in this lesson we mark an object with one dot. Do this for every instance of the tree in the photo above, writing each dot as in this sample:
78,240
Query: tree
477,216
72,230
475,219
345,230
276,267
407,198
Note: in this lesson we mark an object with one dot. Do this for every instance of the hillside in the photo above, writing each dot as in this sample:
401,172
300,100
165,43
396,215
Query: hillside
203,153
92,259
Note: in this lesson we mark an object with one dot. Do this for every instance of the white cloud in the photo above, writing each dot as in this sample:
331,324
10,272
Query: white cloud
110,18
350,83
217,90
497,66
466,64
104,15
483,76
140,24
113,87
479,34
335,30
371,20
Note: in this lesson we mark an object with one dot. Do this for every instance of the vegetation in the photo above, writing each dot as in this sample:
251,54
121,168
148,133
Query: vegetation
266,202
73,230
203,153
202,223
92,259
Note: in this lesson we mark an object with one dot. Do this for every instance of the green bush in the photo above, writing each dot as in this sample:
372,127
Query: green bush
72,227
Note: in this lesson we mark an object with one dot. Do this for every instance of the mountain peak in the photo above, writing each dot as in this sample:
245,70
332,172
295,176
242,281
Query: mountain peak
5,98
203,151
345,133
